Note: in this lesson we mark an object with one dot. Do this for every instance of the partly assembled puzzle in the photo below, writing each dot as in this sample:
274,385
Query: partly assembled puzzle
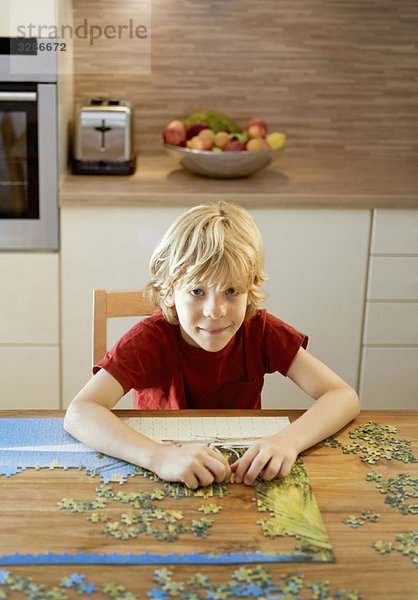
100,510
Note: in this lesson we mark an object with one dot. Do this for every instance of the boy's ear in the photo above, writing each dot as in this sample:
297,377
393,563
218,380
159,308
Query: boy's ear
169,300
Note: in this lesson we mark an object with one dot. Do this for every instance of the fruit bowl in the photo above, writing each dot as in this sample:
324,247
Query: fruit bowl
221,165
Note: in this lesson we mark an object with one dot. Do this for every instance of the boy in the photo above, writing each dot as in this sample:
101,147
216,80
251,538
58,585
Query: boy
208,346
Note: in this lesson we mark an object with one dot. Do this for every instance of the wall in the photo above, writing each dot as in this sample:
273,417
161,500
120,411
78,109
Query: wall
336,76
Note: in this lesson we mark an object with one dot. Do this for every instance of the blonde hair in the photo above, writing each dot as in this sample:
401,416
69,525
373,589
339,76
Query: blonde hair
214,244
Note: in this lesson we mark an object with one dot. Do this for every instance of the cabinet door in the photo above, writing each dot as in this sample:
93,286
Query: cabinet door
389,378
29,331
394,323
317,263
15,15
30,377
393,278
395,232
29,306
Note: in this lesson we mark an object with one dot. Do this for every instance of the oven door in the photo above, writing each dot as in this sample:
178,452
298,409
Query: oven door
28,167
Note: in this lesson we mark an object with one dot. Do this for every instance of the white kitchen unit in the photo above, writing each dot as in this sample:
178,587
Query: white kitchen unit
389,370
29,331
316,259
17,15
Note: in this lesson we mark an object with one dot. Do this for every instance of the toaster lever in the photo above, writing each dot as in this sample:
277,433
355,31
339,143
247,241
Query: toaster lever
103,130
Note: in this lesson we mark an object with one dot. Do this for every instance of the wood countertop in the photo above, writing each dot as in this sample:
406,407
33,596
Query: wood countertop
349,181
339,484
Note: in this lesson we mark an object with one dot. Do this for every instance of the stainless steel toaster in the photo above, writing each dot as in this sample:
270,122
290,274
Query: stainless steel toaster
103,140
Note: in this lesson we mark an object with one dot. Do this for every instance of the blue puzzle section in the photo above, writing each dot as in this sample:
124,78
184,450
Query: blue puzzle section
43,443
50,558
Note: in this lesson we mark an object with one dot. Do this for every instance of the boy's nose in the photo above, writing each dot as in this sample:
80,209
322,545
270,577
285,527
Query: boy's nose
214,307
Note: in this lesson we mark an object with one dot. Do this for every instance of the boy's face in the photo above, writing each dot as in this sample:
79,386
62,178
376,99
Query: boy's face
209,317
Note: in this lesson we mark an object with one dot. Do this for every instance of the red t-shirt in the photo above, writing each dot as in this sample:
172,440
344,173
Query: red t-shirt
165,372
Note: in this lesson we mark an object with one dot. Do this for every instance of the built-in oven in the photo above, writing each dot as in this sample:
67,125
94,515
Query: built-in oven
28,148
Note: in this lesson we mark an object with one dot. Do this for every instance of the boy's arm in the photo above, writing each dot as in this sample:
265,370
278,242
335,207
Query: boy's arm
336,404
90,420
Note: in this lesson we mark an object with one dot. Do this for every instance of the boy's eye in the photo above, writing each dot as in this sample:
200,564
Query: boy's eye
231,291
196,292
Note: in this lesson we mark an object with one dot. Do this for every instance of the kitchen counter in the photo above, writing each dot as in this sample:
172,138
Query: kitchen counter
291,181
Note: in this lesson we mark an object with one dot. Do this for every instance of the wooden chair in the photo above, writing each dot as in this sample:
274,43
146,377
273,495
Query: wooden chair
114,304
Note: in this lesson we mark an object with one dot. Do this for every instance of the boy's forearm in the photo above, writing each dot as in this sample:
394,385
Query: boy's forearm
97,427
326,416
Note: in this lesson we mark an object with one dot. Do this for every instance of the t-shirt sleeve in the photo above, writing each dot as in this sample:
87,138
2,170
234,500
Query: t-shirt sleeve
135,361
281,344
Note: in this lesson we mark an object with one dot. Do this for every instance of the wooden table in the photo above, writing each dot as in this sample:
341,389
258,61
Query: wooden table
340,487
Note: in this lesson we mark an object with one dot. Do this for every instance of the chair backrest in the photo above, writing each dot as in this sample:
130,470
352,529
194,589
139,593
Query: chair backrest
114,304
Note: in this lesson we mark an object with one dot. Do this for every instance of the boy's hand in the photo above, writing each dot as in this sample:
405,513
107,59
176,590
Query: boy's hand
192,465
269,457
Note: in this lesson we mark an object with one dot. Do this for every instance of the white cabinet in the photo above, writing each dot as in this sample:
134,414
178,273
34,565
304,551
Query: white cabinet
316,260
16,16
395,232
101,248
389,369
29,331
393,278
5,26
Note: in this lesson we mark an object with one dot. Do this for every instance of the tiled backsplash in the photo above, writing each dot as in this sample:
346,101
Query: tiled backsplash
336,76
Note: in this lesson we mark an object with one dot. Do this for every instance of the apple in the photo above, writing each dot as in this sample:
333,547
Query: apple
234,146
256,128
222,138
174,133
176,125
207,133
195,129
257,145
199,142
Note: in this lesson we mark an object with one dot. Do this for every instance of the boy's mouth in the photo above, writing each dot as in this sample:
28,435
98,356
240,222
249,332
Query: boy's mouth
213,331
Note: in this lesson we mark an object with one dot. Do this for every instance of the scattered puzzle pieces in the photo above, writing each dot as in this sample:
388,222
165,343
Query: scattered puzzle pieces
201,527
288,502
407,545
359,520
150,519
246,582
210,509
398,491
374,442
